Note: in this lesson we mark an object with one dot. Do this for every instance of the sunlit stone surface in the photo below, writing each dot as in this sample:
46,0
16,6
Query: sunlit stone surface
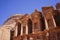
43,25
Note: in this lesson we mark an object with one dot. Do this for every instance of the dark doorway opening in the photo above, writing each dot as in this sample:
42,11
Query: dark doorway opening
24,30
11,35
42,24
19,29
29,26
57,19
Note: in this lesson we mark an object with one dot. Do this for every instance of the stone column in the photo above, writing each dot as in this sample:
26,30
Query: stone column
54,21
15,33
46,24
21,29
26,29
33,28
47,28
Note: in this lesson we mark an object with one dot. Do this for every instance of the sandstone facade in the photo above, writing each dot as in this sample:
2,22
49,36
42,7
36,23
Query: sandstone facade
43,25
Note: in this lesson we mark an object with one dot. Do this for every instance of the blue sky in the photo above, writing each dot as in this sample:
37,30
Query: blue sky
10,7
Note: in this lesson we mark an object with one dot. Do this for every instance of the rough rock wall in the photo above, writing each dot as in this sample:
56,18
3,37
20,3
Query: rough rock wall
4,34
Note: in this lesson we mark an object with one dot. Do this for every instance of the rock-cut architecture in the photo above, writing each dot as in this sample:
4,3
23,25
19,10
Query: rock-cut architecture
38,25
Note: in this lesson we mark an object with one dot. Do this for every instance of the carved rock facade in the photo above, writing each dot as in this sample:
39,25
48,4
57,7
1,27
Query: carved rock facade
43,25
